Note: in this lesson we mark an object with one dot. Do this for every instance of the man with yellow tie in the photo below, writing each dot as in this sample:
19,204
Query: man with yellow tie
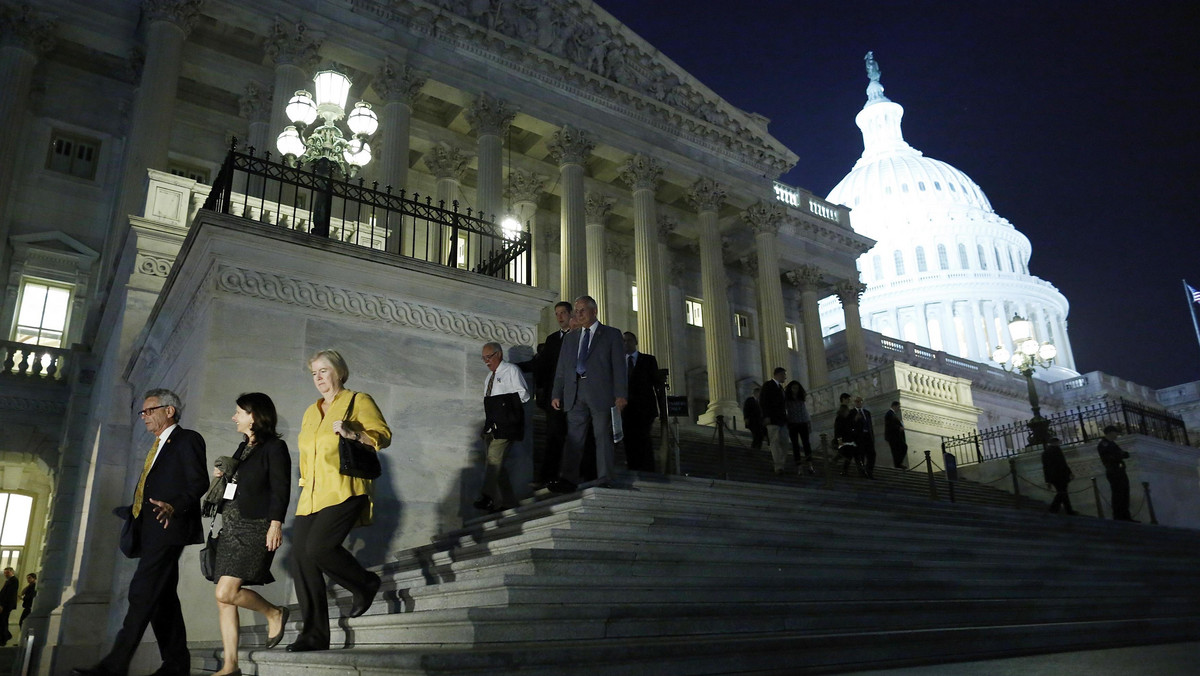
165,517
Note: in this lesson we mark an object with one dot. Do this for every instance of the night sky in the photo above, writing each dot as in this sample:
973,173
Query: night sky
1078,120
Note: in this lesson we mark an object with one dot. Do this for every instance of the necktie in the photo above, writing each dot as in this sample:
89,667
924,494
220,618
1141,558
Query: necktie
585,348
137,493
491,381
630,367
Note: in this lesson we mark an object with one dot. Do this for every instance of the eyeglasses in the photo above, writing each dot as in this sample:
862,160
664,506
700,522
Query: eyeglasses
488,357
146,411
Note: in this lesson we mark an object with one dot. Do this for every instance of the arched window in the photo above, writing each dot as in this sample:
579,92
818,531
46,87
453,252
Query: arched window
1012,264
899,258
921,267
963,261
982,257
921,186
877,264
943,258
999,265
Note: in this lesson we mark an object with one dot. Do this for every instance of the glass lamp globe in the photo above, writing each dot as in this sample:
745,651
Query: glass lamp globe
362,120
1018,361
332,90
290,143
510,226
301,109
1000,355
357,153
1020,329
1029,347
1048,351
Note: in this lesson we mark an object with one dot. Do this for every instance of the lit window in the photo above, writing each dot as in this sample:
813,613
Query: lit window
792,342
741,324
877,263
943,258
982,257
73,155
42,314
963,261
633,296
921,266
921,186
15,511
693,314
899,260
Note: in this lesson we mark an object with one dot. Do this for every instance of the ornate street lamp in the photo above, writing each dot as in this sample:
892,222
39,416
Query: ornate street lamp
1025,355
326,146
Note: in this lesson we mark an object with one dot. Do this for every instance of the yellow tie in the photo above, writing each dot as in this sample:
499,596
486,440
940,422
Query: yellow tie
137,494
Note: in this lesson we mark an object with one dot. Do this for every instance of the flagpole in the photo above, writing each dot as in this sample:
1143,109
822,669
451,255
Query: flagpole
1192,300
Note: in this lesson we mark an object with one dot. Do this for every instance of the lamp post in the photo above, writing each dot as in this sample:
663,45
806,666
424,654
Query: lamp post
325,146
1027,354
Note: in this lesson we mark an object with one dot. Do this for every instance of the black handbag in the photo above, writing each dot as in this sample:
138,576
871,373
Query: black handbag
208,554
356,459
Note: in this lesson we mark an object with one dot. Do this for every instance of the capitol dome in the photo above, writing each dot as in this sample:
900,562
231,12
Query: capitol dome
946,273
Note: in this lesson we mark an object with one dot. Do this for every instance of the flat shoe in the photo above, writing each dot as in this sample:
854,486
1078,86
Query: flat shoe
303,646
362,603
273,641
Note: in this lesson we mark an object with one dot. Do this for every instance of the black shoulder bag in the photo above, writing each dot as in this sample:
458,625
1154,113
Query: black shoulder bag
357,459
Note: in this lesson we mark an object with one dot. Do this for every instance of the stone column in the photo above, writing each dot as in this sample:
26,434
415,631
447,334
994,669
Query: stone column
764,219
24,35
848,292
525,189
642,174
964,310
447,164
489,118
255,105
570,148
668,356
618,261
808,279
922,326
398,85
596,207
707,196
294,51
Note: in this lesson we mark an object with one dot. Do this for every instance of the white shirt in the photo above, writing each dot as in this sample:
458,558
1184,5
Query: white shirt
162,442
508,379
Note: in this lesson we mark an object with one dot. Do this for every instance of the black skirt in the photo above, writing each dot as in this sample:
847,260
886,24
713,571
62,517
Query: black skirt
242,547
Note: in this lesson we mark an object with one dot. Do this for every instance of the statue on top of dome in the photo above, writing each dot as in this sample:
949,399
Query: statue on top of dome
874,88
872,66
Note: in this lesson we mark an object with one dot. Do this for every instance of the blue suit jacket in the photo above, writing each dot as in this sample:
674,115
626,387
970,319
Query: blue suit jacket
606,372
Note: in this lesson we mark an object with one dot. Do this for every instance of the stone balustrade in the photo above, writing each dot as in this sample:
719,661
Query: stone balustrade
34,362
805,201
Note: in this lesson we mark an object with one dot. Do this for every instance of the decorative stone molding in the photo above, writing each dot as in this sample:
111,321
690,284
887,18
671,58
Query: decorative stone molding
155,266
490,116
806,277
570,145
399,83
182,13
841,238
849,291
620,255
641,172
255,102
291,44
596,206
763,218
666,227
25,405
24,27
525,186
372,307
706,195
446,161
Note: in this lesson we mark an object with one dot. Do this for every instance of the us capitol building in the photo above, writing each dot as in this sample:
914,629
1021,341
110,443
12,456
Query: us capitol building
628,179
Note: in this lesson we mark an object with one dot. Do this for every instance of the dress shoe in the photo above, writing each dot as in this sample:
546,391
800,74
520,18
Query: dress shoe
303,645
485,503
560,486
88,671
362,603
273,641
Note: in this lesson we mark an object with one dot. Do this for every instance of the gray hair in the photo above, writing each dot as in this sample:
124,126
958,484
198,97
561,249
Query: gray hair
166,397
589,301
494,346
335,360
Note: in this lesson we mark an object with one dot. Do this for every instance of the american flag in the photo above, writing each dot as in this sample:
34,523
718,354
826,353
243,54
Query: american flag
1195,293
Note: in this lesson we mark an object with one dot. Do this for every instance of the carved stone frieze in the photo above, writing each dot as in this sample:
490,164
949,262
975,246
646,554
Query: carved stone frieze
641,172
490,116
763,218
183,13
293,44
155,266
706,195
397,82
596,206
446,161
255,102
525,186
570,145
25,27
373,307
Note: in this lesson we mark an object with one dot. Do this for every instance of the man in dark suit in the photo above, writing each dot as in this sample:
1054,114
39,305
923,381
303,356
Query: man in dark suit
165,517
864,437
646,389
589,382
774,410
8,603
753,417
893,434
543,366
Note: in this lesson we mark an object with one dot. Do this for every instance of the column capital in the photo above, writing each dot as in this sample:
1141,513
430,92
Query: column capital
806,277
849,291
596,206
620,254
25,27
398,82
706,195
641,172
666,227
292,44
255,102
489,116
525,186
446,161
182,13
763,218
570,145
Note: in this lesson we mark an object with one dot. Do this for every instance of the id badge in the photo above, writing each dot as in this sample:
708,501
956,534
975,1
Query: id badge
230,490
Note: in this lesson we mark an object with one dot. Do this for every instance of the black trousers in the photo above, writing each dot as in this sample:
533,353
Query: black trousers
639,450
1118,481
758,432
1062,498
799,433
5,634
317,552
899,452
154,602
556,436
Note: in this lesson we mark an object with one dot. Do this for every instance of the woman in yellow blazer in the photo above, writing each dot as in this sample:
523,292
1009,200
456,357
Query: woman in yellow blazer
330,502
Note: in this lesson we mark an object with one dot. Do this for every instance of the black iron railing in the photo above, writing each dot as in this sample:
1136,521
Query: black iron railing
1078,426
296,198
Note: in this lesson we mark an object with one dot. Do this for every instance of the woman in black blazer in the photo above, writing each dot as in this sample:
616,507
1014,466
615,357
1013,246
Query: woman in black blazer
256,500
